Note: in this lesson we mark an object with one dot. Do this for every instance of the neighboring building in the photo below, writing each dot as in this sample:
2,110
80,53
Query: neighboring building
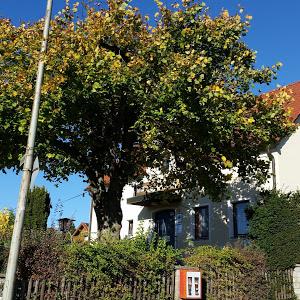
65,224
81,233
191,220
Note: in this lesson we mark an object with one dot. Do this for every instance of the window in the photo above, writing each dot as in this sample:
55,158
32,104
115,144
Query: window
201,223
130,227
240,221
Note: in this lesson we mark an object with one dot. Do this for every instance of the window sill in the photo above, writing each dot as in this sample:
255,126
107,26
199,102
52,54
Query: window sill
201,239
241,236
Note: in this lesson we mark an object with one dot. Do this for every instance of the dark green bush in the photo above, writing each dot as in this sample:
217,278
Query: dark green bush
37,209
113,264
275,228
231,273
4,250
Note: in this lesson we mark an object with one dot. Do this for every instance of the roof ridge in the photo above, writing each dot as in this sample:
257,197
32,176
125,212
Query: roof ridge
293,83
295,93
283,86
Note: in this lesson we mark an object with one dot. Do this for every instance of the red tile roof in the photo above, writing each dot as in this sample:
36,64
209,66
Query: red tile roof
294,88
83,227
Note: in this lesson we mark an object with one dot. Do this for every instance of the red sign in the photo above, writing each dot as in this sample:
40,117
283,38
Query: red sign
190,284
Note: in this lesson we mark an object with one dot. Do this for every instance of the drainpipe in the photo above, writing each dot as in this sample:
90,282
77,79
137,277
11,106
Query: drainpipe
273,168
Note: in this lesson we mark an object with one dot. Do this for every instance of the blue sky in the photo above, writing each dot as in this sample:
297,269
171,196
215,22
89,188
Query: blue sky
274,34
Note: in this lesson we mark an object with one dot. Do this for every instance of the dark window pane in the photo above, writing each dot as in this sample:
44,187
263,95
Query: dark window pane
201,222
240,220
130,227
165,225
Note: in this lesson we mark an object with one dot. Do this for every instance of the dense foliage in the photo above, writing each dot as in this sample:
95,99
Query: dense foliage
41,254
37,209
112,268
115,264
36,215
232,272
120,94
274,226
6,228
6,224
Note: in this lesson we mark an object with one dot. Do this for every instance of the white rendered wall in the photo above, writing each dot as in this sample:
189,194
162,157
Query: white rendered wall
287,162
133,212
94,226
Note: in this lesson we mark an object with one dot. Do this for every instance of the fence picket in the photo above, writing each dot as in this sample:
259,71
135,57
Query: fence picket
29,289
86,290
42,293
48,293
134,294
62,287
36,289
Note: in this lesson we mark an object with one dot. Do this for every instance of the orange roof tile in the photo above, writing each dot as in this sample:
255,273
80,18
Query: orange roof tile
294,88
83,227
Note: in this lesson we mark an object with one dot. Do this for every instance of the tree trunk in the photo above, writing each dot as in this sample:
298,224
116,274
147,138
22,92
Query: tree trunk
107,204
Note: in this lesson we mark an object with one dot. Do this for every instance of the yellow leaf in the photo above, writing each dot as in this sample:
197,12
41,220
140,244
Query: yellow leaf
192,75
228,164
117,64
76,56
225,14
251,120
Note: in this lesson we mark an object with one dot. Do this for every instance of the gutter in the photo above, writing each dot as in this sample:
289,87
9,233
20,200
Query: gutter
273,168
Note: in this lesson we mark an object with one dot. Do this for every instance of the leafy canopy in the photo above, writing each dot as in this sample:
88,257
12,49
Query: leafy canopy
119,94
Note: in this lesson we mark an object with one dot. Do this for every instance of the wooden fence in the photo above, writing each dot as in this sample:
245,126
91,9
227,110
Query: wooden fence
275,285
68,290
279,283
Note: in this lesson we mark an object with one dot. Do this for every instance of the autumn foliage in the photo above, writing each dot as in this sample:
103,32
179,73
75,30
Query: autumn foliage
121,92
6,228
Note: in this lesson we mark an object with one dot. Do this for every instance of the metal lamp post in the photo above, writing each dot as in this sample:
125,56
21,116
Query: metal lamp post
8,292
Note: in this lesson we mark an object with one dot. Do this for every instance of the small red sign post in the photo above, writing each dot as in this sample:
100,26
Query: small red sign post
190,284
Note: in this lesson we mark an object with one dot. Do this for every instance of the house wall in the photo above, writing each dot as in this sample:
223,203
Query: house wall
287,162
94,226
134,213
220,216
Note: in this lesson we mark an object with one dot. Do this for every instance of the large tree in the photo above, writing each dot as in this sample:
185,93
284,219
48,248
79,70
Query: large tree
120,94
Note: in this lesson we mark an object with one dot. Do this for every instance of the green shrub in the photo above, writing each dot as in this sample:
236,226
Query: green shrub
275,228
113,264
4,251
6,228
231,273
